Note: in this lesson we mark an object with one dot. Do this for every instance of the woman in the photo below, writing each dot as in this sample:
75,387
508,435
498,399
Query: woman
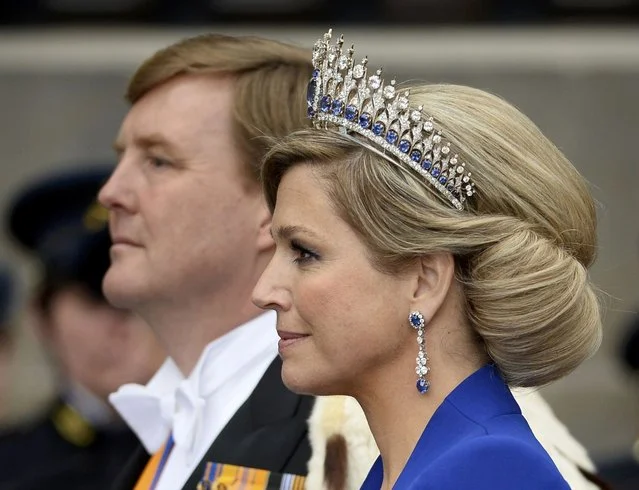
432,250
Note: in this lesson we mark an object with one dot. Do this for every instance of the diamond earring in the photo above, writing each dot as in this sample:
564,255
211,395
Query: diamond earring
416,320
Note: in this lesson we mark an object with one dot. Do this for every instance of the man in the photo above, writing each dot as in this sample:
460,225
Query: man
191,235
80,442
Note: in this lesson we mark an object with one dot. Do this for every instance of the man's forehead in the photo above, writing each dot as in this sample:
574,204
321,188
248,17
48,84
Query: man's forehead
149,132
187,93
161,114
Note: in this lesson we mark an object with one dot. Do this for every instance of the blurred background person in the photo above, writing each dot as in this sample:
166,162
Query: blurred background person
7,301
630,345
626,468
79,442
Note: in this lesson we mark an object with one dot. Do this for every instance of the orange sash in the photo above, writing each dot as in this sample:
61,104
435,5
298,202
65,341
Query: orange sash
146,478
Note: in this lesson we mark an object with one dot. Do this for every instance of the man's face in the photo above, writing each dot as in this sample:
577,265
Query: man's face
98,346
187,222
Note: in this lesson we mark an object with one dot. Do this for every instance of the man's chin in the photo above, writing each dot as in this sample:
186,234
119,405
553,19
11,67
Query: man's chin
119,290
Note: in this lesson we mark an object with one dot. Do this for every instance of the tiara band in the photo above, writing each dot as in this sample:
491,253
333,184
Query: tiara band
341,93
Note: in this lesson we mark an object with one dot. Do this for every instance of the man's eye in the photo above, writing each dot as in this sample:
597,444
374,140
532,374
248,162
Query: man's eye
159,162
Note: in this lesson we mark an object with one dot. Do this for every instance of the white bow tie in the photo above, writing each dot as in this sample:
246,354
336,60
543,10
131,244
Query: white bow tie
154,417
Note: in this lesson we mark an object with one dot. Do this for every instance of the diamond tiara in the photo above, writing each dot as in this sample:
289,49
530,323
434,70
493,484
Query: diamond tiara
341,93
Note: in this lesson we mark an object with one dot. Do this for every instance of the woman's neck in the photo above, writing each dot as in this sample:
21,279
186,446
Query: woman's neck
398,414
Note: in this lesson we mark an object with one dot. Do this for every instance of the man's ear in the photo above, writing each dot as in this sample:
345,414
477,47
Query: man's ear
264,238
434,280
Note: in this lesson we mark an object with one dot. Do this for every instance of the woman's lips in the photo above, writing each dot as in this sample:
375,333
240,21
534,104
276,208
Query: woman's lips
289,339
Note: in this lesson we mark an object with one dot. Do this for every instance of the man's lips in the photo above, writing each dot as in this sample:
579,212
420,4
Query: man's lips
124,241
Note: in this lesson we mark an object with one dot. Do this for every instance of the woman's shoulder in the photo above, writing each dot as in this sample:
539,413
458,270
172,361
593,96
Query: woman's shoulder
493,461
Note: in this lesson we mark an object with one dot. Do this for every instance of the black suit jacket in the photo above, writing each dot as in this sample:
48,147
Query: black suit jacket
269,431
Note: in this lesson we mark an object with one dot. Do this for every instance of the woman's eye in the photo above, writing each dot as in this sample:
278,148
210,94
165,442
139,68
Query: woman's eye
302,254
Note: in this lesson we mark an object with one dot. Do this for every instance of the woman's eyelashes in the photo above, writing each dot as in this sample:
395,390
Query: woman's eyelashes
303,255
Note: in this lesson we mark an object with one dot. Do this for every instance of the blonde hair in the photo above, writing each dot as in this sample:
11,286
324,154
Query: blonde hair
522,247
269,87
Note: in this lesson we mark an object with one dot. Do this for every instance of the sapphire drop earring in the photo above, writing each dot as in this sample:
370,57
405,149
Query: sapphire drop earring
416,320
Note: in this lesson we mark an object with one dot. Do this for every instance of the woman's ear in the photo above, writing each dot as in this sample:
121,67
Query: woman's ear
434,279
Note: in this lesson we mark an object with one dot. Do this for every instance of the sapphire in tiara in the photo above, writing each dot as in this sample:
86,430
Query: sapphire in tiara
427,164
404,146
392,136
310,92
350,113
435,172
310,112
365,120
337,107
316,73
378,128
443,180
325,103
416,156
451,187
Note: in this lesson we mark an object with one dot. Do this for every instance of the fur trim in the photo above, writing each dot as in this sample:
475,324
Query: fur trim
342,416
336,463
566,452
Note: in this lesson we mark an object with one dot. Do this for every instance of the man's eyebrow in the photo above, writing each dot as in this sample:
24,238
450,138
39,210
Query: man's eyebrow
147,141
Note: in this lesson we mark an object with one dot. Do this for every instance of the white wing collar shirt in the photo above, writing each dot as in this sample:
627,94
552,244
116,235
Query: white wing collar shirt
196,409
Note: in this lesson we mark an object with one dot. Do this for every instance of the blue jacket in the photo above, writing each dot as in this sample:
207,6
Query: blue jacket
477,440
